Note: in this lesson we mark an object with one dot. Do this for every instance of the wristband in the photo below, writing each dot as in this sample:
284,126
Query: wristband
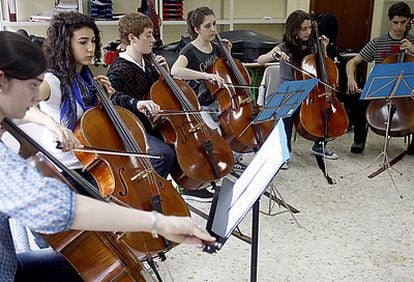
154,232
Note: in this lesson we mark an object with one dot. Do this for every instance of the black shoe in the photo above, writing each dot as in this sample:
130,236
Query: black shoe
410,149
202,195
357,148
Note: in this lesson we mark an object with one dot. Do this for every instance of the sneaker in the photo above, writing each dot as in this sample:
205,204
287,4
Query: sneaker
202,195
317,150
357,148
285,165
239,167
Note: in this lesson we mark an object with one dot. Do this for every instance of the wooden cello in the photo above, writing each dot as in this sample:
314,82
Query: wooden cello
96,256
130,181
237,105
202,154
402,109
321,114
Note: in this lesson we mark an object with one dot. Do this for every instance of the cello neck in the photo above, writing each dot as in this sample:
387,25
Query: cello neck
184,102
321,54
401,54
231,63
117,121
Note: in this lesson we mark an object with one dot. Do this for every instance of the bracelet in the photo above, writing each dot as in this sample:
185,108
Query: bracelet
154,232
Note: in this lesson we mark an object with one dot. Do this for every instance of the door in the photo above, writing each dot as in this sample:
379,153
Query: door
354,19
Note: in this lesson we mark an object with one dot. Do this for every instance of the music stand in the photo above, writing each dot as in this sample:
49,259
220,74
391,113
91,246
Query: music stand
236,199
286,99
282,103
389,81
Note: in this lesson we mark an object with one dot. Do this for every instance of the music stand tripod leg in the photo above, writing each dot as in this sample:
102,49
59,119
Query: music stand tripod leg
385,160
279,195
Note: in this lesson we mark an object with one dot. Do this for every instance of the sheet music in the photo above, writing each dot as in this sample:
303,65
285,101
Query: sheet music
255,179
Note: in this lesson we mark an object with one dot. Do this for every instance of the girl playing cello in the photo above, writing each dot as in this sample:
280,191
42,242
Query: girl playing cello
47,205
197,56
297,43
69,90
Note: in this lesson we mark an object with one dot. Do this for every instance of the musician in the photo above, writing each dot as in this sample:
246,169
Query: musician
132,76
72,43
47,205
297,43
376,50
192,64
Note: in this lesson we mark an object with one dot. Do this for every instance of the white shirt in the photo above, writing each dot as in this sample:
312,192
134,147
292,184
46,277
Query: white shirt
52,108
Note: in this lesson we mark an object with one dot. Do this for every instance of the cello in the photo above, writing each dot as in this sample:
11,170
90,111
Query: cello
202,154
321,114
238,106
96,256
402,109
129,181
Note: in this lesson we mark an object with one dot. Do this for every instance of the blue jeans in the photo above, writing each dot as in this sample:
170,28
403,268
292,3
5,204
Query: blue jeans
44,265
156,146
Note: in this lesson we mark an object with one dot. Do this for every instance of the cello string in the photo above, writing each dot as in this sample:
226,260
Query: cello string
125,135
303,71
185,103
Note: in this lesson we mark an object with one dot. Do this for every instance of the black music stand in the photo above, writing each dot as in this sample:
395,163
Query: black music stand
236,199
389,81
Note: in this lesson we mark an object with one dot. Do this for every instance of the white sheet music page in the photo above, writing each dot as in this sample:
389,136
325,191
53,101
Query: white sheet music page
257,176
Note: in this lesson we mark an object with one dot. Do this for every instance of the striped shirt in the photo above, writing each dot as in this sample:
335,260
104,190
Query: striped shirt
43,204
380,47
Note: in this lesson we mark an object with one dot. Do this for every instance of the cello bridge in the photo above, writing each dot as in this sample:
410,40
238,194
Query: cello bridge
247,100
119,235
142,174
195,128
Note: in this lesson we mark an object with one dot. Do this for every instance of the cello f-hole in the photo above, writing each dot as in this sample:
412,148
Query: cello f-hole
124,191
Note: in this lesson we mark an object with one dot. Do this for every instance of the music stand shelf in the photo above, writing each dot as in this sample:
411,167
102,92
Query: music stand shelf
236,199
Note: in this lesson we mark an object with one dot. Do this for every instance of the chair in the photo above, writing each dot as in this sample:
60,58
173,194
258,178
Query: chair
270,82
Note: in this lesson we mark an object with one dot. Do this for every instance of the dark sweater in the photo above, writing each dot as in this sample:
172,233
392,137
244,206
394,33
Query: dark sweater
131,84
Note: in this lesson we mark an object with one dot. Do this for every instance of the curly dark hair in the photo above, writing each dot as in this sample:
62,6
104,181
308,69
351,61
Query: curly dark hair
293,26
57,43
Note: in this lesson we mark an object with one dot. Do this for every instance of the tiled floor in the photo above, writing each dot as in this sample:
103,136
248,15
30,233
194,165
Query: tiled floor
356,230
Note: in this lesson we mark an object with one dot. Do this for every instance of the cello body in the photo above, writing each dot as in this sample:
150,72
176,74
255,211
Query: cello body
127,181
311,122
188,134
321,116
402,121
96,256
238,106
203,155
